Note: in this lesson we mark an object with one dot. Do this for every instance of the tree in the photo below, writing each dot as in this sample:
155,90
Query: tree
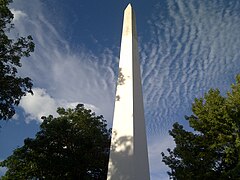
74,145
212,149
12,87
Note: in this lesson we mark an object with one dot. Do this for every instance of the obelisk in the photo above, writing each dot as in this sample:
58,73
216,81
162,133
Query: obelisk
128,155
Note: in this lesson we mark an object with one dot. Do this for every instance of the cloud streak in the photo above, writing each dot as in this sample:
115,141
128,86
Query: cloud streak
68,75
17,15
194,47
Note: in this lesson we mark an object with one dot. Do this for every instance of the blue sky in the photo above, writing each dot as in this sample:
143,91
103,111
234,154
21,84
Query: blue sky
186,47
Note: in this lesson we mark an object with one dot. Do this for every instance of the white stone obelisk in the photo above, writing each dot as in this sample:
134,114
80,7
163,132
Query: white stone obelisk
128,155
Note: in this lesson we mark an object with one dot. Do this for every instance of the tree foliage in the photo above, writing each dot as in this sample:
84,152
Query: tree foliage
12,87
212,149
74,145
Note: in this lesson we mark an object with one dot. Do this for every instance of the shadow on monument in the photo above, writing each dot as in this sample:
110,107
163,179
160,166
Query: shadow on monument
120,161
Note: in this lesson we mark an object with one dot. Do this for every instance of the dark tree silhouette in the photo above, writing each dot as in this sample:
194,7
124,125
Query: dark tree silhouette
74,145
12,87
212,149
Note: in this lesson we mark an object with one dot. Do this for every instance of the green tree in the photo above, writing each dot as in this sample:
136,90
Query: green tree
212,149
12,87
74,145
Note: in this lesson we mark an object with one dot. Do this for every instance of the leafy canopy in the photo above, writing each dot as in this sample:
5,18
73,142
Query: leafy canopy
12,87
212,150
74,145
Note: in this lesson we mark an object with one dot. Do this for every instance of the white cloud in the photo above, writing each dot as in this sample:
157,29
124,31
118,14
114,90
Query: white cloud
42,104
17,15
38,105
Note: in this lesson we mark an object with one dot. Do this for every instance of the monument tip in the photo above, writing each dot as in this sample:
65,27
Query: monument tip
129,6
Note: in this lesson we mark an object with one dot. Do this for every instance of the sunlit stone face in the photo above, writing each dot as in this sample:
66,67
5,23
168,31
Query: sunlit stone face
128,156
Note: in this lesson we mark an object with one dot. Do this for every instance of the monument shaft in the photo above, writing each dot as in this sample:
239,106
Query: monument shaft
128,154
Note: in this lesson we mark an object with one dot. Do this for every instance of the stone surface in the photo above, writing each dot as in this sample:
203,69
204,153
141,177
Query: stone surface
128,155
